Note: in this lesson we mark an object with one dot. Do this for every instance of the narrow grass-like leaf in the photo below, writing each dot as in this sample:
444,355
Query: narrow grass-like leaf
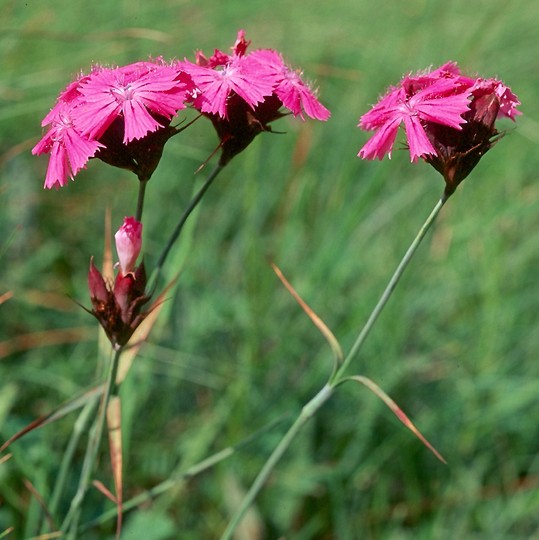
395,409
4,534
45,338
182,475
108,266
141,334
56,414
32,489
114,425
5,297
317,321
104,489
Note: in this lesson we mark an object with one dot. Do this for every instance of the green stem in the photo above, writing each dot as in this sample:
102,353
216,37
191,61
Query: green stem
180,476
140,201
308,411
179,226
335,378
71,520
311,408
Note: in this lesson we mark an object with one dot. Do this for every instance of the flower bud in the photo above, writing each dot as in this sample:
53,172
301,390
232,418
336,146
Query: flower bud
128,244
118,305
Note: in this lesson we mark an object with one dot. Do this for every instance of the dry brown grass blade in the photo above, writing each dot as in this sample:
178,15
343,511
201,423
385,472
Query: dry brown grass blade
104,490
252,525
31,488
5,297
114,425
108,266
317,321
399,413
141,334
56,414
45,338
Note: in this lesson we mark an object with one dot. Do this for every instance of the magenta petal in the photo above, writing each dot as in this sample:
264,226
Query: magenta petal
79,150
383,111
58,169
297,97
138,121
44,145
214,97
94,119
508,102
418,141
447,110
381,143
128,240
313,107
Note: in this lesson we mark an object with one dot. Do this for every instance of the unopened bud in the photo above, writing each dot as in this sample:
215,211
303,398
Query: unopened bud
128,244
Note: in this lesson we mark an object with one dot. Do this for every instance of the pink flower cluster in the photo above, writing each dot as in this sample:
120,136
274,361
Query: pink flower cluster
424,100
122,115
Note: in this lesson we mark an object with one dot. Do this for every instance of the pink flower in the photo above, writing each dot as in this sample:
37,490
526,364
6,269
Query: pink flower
430,99
449,120
439,97
293,93
69,149
224,75
243,92
140,93
128,244
121,116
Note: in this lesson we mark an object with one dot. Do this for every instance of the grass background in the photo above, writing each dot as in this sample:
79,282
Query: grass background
456,347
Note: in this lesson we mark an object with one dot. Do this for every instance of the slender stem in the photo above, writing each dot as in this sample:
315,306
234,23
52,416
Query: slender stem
144,181
311,408
179,226
308,411
140,201
334,380
70,522
180,476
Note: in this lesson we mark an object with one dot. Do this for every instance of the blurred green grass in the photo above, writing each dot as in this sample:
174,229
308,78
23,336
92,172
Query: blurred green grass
456,347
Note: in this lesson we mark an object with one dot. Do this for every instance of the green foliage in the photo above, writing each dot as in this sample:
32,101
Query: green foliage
456,347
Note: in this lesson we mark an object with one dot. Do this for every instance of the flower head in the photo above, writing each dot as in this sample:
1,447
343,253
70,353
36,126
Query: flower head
222,75
241,93
448,119
121,116
141,94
